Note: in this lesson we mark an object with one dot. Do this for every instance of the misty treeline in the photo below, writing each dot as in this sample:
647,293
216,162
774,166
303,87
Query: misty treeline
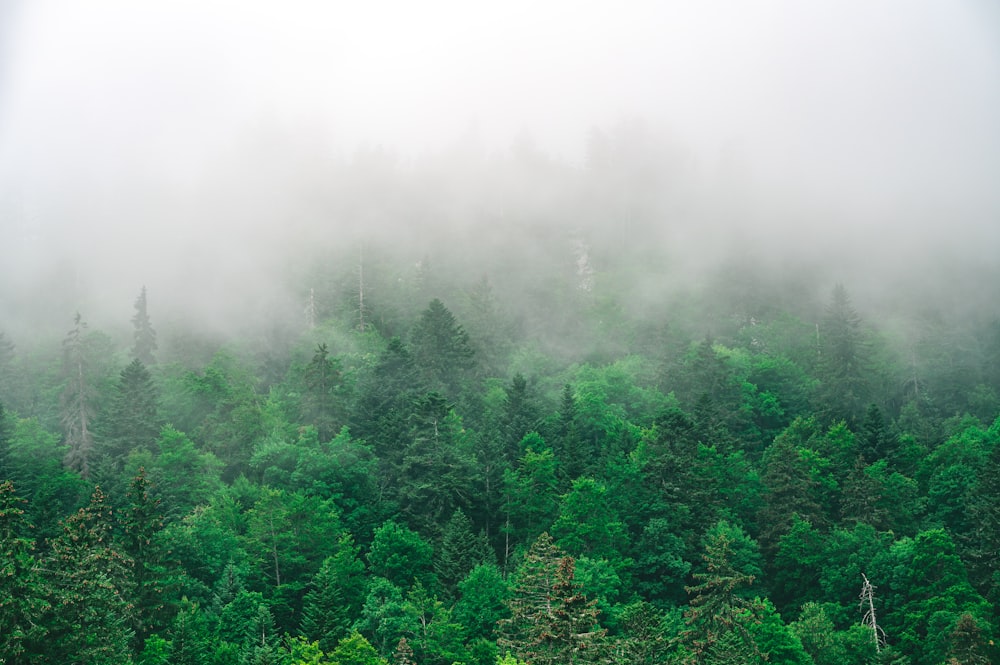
535,438
435,484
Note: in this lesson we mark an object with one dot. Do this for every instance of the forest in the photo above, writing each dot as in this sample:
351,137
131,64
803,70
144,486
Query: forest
519,333
431,464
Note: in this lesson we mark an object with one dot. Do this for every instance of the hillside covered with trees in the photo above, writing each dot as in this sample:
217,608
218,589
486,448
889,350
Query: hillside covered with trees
430,464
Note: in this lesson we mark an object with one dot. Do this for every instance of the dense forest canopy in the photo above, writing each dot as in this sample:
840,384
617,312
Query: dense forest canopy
708,380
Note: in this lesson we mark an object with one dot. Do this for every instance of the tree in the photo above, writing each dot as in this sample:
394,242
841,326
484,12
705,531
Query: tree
519,417
790,488
482,601
131,420
322,399
336,593
144,335
77,399
89,591
437,473
551,621
586,525
441,349
289,536
21,592
460,551
843,361
354,649
720,615
401,556
142,542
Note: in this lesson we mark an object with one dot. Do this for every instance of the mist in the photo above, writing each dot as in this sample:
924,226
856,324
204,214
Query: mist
221,153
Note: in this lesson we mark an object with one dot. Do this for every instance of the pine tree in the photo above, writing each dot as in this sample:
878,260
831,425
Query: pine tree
145,336
131,420
322,402
441,349
77,400
551,621
21,592
843,361
460,551
719,614
336,593
142,526
89,591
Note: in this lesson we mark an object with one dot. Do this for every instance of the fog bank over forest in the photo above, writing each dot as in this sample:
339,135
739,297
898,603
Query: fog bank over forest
229,156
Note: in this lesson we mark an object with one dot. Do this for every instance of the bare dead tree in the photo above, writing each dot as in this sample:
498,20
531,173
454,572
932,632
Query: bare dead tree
867,607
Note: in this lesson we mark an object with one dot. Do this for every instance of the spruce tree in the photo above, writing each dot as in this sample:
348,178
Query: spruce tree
144,335
142,526
441,349
460,551
322,401
336,593
21,593
131,420
719,615
551,621
89,591
843,361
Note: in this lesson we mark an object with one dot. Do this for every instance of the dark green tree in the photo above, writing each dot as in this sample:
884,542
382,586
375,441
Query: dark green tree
145,337
152,569
131,420
720,615
437,472
322,395
441,349
21,591
520,416
844,361
89,591
336,594
460,551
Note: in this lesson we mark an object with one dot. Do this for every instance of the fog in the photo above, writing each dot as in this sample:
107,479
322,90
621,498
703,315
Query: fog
216,151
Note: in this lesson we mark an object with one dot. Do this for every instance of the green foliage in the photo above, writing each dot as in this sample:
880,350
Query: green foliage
401,556
336,593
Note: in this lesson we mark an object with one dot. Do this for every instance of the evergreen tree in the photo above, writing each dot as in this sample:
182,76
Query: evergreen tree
131,420
21,592
551,621
790,488
335,596
844,361
77,400
145,336
441,349
322,398
568,446
89,587
720,615
519,417
142,542
460,551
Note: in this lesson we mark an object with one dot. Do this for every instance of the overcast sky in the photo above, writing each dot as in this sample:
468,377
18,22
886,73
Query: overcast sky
882,109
